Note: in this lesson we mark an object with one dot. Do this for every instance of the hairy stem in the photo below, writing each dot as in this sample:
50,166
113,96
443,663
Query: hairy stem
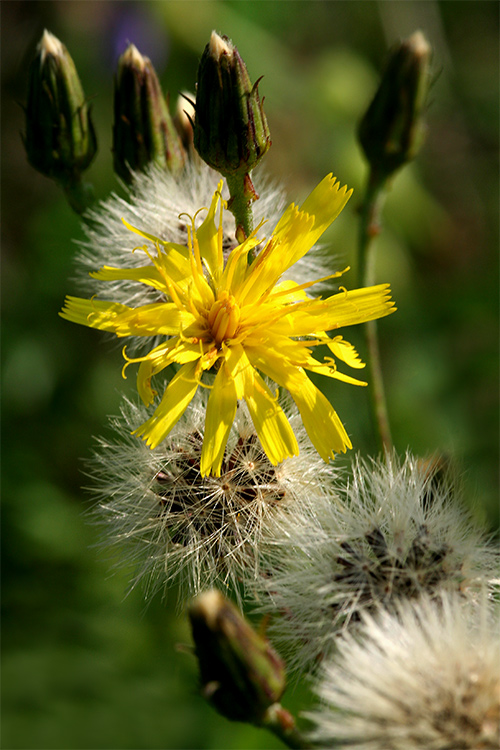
242,194
279,721
369,229
79,194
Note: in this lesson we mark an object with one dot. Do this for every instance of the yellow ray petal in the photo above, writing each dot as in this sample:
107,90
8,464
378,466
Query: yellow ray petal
177,397
292,236
176,350
209,237
92,312
151,237
297,231
329,370
173,263
347,307
270,422
276,348
321,421
345,351
325,203
221,410
238,369
173,260
144,274
236,270
162,318
280,253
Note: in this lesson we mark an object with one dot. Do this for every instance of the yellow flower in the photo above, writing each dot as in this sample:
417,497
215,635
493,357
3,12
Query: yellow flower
235,318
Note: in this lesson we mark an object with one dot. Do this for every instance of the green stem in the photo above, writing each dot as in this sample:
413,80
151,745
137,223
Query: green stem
79,194
242,194
279,721
369,229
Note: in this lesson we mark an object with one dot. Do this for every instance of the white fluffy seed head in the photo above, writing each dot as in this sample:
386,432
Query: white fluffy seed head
392,532
426,675
176,526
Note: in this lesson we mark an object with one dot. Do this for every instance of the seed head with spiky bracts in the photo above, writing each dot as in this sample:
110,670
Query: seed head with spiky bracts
393,532
179,527
424,676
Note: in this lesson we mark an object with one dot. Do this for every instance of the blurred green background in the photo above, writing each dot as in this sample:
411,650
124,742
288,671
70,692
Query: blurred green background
85,666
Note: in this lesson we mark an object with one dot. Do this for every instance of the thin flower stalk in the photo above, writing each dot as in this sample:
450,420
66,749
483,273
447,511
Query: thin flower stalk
369,228
390,134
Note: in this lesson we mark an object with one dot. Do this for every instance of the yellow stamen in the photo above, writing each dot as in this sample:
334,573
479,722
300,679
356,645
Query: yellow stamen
224,317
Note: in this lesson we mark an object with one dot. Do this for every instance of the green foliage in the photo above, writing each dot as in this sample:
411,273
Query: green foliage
84,666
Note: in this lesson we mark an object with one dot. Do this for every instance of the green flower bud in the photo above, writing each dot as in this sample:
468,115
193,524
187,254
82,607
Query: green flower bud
241,674
391,131
60,139
230,128
143,130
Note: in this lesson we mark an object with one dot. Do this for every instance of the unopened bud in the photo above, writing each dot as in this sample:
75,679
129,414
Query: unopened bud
391,131
143,130
241,674
230,128
60,139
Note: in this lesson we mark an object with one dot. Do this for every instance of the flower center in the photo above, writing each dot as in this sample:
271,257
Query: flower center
224,317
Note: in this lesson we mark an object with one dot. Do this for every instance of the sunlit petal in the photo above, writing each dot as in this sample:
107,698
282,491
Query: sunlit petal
345,351
177,397
221,410
210,238
270,422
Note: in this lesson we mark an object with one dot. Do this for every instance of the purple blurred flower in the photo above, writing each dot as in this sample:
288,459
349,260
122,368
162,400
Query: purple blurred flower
129,23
